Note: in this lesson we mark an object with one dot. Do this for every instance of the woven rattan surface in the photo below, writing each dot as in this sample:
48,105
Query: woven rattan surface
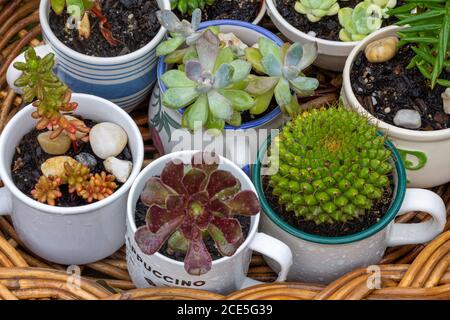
406,272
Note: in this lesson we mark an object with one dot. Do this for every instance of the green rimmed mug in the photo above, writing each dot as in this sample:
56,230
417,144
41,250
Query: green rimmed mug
320,259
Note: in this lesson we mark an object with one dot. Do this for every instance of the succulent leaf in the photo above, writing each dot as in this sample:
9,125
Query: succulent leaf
207,49
219,106
239,99
223,76
176,78
315,10
197,113
177,98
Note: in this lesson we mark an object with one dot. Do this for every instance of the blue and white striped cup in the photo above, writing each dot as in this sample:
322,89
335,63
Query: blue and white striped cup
125,80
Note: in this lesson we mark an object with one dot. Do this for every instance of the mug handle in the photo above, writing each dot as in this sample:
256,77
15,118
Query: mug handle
412,233
5,202
274,249
12,73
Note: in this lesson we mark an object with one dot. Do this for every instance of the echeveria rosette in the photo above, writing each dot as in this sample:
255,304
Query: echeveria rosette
284,69
187,202
332,166
203,88
365,18
315,10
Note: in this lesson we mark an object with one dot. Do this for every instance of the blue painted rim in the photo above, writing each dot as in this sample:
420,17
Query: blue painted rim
387,218
162,67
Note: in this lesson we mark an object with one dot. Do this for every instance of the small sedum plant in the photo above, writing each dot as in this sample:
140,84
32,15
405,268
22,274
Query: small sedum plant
332,166
52,96
203,88
283,67
365,18
187,203
47,190
315,10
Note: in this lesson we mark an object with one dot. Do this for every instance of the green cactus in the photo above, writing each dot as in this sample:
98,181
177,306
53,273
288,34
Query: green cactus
315,10
331,164
365,18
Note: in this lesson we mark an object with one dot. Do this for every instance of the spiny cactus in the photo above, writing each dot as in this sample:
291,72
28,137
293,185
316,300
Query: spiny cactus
317,9
284,69
203,86
331,164
186,204
53,97
188,6
365,18
47,190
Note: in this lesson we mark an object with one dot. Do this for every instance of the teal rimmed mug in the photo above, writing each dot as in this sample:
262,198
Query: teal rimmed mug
320,259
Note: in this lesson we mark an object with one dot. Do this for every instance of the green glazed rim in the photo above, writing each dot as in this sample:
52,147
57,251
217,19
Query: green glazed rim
387,218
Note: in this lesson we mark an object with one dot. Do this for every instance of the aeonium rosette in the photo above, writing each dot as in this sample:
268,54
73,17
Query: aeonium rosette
187,203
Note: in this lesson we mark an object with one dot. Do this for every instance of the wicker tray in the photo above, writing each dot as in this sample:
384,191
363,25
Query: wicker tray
407,272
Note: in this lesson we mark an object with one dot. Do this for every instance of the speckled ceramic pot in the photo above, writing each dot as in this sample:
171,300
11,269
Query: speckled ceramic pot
319,259
227,274
425,154
165,123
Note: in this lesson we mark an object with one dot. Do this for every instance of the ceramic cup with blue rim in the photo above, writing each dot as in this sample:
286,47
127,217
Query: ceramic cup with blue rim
165,123
124,80
319,259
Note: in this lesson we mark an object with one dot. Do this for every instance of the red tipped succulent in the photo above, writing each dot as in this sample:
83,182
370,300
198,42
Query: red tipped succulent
189,201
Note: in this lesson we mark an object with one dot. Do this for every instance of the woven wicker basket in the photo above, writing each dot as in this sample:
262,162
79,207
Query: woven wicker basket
406,272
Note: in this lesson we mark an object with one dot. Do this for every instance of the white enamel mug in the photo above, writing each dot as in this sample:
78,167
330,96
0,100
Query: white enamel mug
227,274
69,235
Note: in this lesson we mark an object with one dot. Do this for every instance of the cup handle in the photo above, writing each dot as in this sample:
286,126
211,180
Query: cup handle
5,202
411,233
274,249
12,73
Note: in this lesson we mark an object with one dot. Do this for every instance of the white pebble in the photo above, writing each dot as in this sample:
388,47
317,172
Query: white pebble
107,139
387,110
311,33
55,166
409,119
121,169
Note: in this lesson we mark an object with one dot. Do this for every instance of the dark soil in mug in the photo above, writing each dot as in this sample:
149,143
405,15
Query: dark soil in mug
384,88
133,25
243,10
327,28
373,216
141,211
29,156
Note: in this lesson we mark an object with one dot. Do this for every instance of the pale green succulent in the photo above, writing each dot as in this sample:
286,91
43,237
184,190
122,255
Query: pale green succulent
317,9
204,86
365,18
181,32
284,67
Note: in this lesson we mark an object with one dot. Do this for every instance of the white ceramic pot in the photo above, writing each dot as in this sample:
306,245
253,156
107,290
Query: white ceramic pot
125,80
165,123
319,259
332,54
75,235
228,273
426,154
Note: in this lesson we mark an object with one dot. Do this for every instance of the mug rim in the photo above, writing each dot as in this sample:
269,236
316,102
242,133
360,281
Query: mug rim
162,68
57,210
375,228
146,174
53,40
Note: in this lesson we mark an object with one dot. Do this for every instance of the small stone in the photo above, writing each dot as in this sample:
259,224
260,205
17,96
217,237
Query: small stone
121,169
86,159
381,50
387,110
56,146
107,139
312,34
409,119
55,166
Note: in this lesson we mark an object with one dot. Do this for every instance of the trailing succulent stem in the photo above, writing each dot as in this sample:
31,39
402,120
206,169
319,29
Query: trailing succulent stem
283,67
332,166
188,6
188,202
52,97
365,18
427,29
